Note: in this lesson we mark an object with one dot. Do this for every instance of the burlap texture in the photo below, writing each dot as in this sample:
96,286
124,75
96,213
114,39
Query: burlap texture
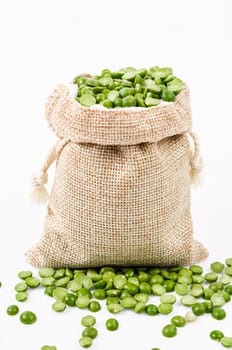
121,194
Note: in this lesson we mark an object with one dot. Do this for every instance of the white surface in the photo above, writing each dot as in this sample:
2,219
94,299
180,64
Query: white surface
47,42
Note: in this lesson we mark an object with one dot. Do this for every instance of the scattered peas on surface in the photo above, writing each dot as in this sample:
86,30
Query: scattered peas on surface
131,288
128,87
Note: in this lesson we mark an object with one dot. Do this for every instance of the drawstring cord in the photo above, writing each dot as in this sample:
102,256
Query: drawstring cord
196,163
39,192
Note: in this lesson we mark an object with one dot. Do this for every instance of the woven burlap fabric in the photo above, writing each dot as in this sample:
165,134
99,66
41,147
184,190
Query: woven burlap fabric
121,194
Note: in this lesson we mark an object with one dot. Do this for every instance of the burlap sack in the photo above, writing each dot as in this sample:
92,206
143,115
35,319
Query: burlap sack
121,194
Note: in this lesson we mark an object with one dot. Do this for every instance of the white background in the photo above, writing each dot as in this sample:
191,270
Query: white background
47,42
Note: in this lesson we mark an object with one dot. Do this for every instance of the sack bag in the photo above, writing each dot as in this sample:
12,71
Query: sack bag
121,194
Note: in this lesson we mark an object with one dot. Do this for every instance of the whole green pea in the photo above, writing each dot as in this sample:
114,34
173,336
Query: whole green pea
168,95
90,332
125,91
112,324
208,306
169,331
198,309
99,294
107,103
216,335
28,317
12,310
70,299
178,321
94,306
218,313
151,310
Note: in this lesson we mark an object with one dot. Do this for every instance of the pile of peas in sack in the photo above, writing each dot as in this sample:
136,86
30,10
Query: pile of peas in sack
143,290
128,87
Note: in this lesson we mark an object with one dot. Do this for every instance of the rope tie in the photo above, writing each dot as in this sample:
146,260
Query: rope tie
39,192
196,163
